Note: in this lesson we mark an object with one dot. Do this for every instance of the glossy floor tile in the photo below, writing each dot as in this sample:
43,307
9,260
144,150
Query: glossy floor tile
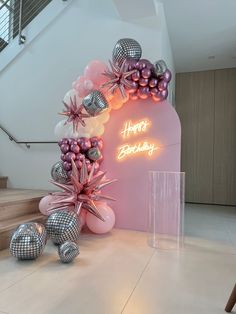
119,273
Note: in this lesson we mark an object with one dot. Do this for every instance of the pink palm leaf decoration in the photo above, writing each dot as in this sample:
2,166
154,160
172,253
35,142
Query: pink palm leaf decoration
82,192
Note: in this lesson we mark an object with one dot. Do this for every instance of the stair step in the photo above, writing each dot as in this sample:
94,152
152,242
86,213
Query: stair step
18,202
3,182
7,227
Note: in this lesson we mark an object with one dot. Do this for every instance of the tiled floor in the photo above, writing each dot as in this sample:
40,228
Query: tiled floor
119,273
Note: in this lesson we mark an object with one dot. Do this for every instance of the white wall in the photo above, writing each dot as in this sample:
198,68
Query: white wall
33,85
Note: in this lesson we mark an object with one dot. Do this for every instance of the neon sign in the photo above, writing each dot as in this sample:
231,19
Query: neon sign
131,128
142,147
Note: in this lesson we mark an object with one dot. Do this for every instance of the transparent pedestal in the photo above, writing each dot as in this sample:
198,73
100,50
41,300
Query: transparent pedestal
166,209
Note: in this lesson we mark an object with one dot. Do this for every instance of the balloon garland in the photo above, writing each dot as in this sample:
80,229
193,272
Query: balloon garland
87,107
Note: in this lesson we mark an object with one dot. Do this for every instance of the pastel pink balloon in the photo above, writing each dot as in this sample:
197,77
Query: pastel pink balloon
83,86
98,226
94,70
45,204
82,217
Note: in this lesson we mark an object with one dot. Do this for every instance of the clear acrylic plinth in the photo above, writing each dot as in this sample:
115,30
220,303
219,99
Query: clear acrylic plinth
166,209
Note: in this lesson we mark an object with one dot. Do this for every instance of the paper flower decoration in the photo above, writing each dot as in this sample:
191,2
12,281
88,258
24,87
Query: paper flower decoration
82,192
74,113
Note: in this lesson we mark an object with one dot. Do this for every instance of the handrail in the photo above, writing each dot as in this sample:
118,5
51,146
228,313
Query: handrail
26,143
15,16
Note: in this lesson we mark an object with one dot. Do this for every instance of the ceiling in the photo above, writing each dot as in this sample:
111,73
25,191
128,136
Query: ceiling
202,33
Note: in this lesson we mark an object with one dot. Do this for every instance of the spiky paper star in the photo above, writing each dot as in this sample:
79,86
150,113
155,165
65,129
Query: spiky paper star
118,78
74,114
82,191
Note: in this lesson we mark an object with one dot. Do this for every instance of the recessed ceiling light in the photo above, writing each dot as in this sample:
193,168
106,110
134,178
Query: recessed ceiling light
211,57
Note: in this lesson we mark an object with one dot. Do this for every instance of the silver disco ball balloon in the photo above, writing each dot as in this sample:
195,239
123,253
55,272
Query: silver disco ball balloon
58,173
126,48
94,153
28,241
68,251
160,67
63,226
95,102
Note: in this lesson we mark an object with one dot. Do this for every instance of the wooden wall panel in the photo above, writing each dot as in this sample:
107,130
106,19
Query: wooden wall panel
224,179
195,106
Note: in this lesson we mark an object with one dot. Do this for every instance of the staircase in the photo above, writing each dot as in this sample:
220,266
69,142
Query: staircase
17,206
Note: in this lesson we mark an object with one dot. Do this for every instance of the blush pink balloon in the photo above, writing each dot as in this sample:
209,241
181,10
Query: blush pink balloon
94,70
45,204
82,217
83,86
98,226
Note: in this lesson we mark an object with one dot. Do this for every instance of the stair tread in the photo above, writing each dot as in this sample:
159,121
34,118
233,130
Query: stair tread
14,222
8,196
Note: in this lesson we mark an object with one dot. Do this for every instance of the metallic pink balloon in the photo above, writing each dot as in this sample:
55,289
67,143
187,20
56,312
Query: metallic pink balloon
89,168
157,97
64,141
63,157
135,76
153,82
162,85
85,145
97,142
67,165
146,73
133,87
131,64
154,91
164,93
65,148
75,148
143,92
78,164
167,76
80,157
70,156
143,81
96,167
70,140
141,64
133,96
148,64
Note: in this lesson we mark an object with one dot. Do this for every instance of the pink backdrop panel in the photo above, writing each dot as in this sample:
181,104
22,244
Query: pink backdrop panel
130,191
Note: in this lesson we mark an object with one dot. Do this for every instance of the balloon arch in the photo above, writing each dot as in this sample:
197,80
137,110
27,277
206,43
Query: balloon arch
88,105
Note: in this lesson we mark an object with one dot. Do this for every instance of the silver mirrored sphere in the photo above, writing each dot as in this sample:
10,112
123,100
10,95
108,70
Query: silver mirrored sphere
94,103
58,173
28,241
159,67
126,49
94,153
63,226
68,251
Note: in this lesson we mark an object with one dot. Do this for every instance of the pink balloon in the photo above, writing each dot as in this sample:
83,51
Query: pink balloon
82,217
94,70
83,86
98,226
45,204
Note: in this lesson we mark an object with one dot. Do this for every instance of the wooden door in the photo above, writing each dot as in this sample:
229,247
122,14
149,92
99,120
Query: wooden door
224,179
195,106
